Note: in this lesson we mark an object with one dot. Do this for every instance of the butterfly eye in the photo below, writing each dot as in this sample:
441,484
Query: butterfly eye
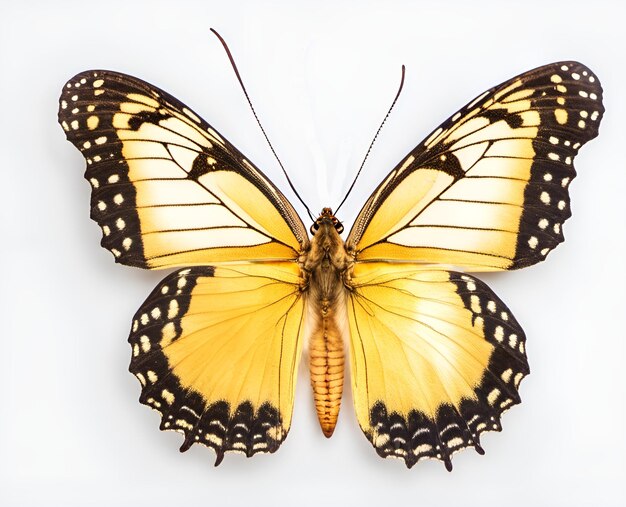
338,227
314,228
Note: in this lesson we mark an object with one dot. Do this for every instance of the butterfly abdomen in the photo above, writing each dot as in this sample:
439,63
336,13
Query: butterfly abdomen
327,366
325,264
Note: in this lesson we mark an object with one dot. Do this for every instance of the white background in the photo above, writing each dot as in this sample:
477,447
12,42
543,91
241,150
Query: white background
322,75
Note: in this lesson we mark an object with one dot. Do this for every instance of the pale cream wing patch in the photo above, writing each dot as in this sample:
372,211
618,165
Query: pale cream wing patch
167,188
488,189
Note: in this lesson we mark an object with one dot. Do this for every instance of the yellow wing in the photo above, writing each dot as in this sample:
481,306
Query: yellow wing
436,358
216,351
488,189
168,189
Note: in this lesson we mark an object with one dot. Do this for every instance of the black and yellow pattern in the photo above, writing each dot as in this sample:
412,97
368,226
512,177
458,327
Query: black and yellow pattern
458,357
215,350
435,356
168,189
488,189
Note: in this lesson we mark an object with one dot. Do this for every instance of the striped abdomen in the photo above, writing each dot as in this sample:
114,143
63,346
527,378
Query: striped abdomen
327,363
324,265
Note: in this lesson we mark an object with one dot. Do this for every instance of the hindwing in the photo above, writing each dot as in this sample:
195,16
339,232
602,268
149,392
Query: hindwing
216,351
436,359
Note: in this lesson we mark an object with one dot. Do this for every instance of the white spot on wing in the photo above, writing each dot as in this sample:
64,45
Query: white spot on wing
172,310
145,343
499,333
493,396
92,122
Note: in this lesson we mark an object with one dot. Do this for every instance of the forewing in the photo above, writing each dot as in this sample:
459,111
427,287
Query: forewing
436,358
216,352
488,189
167,188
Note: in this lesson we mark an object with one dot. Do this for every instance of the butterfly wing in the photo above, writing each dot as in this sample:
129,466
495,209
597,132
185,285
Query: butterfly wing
167,188
216,351
488,189
436,358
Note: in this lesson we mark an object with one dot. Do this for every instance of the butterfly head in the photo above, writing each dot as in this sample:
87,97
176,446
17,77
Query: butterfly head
327,217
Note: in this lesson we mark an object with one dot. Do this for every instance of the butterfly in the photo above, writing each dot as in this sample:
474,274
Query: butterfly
435,356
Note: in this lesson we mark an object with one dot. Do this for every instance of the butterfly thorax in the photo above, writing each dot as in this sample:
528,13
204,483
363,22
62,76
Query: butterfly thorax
324,266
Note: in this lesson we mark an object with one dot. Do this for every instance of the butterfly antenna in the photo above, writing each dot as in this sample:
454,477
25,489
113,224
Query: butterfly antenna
373,140
245,92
